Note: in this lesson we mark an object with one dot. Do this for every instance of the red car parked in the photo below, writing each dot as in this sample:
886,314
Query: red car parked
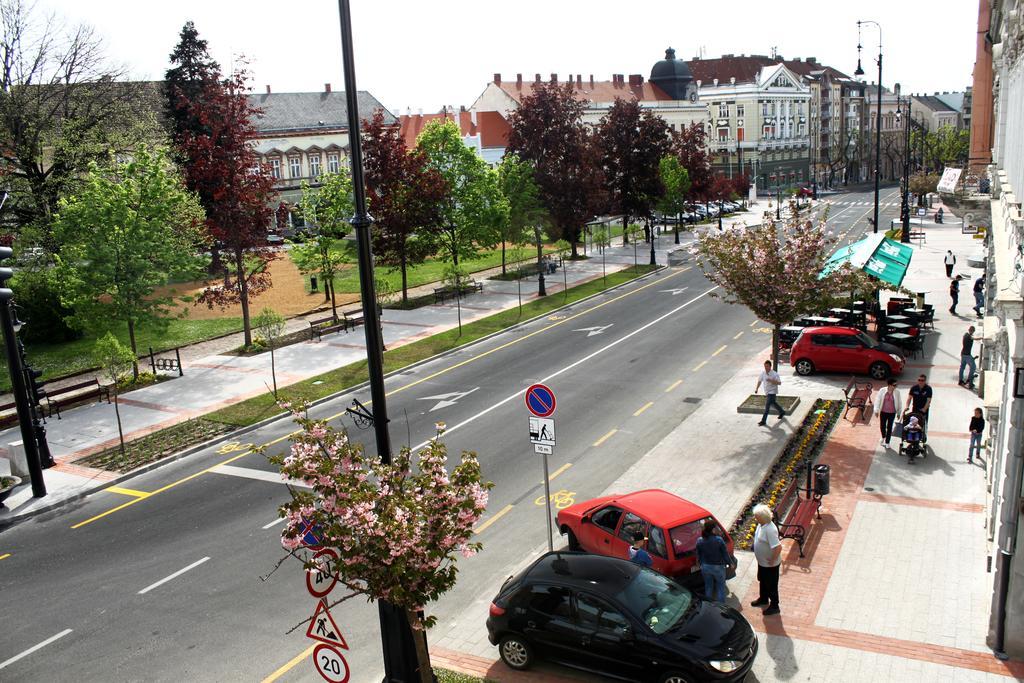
844,349
672,525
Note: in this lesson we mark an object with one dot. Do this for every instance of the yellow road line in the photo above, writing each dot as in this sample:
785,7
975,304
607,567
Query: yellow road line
653,283
700,365
561,469
604,438
720,349
738,334
5,556
128,492
483,527
643,408
290,665
674,385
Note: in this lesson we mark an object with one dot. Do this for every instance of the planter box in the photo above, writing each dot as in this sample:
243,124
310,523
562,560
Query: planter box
754,404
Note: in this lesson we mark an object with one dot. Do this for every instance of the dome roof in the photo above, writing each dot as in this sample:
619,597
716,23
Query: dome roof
670,70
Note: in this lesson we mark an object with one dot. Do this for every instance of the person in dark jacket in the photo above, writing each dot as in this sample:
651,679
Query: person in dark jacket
713,555
977,429
954,293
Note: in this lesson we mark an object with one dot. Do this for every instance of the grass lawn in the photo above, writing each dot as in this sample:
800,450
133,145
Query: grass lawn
57,360
260,407
446,676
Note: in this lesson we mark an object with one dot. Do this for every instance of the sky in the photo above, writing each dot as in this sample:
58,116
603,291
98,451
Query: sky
415,55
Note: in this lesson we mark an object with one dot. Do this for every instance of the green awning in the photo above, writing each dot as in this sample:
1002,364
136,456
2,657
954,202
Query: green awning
877,255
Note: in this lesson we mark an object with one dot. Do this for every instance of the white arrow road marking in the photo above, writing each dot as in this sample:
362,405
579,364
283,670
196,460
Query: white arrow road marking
674,292
445,400
591,331
32,649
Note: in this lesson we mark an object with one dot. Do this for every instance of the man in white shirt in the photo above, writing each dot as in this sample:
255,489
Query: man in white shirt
771,381
768,552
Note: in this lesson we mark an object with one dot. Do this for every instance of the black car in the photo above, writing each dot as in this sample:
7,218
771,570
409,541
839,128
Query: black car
614,617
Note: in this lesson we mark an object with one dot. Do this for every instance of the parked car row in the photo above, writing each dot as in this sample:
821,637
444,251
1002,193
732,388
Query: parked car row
698,213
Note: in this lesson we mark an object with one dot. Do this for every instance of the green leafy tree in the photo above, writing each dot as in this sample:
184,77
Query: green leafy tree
474,209
327,209
115,361
130,229
269,326
525,210
676,180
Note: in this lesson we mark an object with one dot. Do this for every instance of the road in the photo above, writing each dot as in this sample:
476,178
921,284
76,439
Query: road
165,576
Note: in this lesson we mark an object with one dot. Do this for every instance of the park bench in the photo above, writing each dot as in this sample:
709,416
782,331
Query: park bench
448,292
858,394
352,318
796,513
322,326
8,415
73,394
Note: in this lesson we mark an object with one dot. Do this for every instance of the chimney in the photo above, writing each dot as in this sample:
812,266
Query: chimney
635,80
519,81
268,89
497,79
591,80
579,80
536,79
812,59
327,87
554,78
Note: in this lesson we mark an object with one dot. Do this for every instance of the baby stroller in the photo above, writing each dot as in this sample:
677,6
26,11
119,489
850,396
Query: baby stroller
914,436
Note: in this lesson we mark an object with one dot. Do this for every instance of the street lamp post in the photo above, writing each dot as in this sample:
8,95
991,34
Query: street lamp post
778,198
400,661
878,109
905,180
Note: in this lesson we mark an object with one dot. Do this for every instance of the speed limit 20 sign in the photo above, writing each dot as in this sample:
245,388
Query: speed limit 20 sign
330,664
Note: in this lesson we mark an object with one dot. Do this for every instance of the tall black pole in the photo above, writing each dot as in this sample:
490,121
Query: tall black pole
28,436
400,663
905,204
878,127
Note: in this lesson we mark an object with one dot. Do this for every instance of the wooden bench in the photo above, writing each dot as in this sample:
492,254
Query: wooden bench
73,394
858,394
797,519
350,319
448,292
8,415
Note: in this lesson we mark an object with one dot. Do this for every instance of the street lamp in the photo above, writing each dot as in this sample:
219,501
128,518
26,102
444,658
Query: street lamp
905,180
778,198
878,109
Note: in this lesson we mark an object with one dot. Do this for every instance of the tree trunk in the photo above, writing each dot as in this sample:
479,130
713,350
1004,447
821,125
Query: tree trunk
679,219
503,257
334,304
625,230
405,279
273,369
117,412
419,639
243,291
135,353
775,346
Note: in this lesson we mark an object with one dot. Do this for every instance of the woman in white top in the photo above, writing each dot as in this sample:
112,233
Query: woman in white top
768,552
889,405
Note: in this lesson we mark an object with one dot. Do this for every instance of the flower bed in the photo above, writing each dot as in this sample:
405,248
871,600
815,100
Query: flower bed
803,447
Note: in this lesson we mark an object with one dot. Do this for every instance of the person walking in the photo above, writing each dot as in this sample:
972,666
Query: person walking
768,552
889,405
950,261
921,397
979,295
967,358
713,555
771,381
977,427
954,294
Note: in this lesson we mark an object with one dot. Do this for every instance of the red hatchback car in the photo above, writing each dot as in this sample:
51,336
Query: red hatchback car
844,349
672,525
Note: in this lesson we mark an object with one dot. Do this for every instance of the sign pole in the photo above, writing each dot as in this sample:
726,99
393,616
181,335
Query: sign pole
547,503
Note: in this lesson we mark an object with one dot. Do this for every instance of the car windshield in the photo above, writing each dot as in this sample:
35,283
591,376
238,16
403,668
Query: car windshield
658,601
866,340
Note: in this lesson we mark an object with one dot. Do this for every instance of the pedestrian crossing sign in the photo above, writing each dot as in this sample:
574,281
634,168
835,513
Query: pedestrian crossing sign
323,628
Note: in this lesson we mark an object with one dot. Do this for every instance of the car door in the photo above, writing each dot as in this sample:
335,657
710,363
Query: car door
598,532
849,353
823,353
630,525
543,614
607,638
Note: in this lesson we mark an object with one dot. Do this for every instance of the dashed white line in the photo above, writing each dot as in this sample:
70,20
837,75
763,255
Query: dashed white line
32,649
274,523
172,576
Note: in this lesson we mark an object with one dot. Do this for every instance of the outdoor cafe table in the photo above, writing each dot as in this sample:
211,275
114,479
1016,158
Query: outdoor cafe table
916,313
822,321
896,318
841,312
899,327
899,338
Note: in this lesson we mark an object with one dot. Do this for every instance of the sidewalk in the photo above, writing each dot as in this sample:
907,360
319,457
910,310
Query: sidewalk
894,585
217,380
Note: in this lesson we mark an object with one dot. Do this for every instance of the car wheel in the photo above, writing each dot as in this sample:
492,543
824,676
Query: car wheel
879,370
804,367
674,677
574,543
515,652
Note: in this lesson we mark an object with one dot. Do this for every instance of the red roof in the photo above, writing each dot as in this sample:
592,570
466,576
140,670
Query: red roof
491,126
594,91
745,68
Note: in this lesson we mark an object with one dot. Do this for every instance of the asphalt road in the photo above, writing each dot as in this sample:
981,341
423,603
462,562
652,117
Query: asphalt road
164,578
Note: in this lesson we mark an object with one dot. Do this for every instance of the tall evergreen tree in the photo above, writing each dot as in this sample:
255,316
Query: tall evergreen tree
185,80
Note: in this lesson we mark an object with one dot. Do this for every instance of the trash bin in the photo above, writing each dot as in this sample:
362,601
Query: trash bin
821,477
312,283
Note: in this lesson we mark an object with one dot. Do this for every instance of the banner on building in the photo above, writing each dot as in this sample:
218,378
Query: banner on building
950,177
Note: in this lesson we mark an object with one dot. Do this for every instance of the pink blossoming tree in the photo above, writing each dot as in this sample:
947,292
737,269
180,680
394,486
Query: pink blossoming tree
397,528
773,269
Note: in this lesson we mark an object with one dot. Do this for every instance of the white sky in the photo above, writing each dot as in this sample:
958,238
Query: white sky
419,54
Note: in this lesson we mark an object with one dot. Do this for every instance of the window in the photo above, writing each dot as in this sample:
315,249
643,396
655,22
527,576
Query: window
295,166
607,518
549,601
656,542
846,341
275,168
332,162
723,110
822,340
631,525
739,111
597,615
314,164
684,537
723,134
764,109
799,108
739,133
768,132
800,129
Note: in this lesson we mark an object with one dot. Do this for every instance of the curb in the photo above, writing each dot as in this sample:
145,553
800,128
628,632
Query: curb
15,518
